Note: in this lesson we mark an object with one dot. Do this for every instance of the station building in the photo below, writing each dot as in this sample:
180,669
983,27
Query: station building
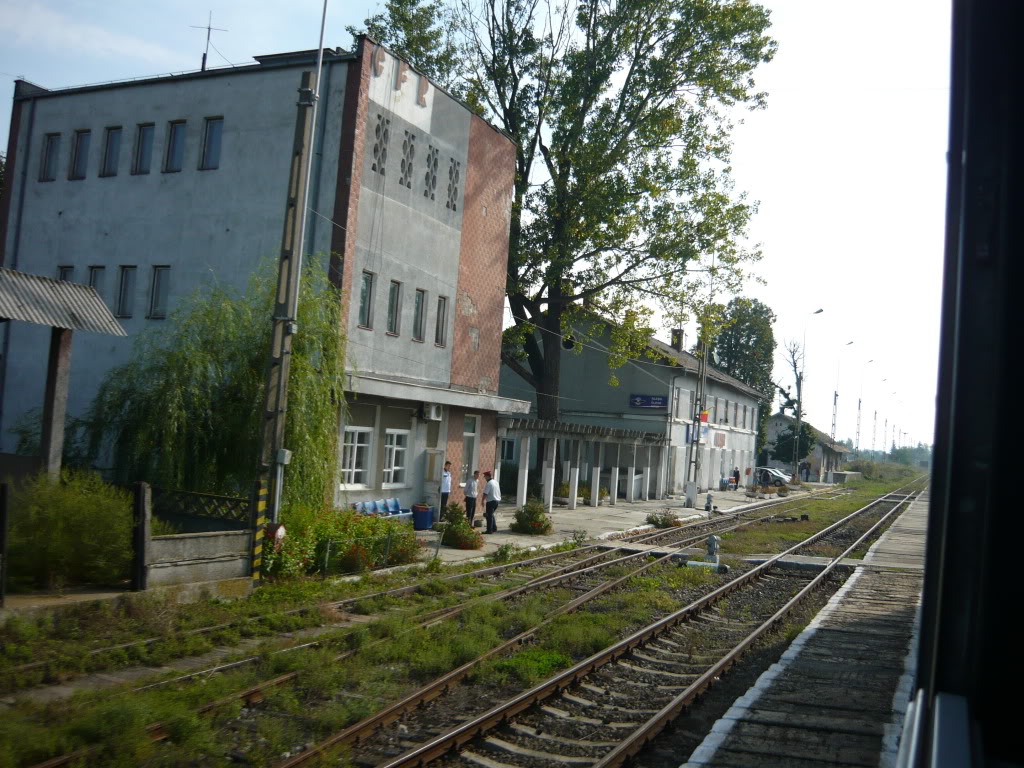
826,456
151,189
654,397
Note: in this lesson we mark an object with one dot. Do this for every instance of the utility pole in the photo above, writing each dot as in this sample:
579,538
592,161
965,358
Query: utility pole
273,455
799,417
700,395
874,431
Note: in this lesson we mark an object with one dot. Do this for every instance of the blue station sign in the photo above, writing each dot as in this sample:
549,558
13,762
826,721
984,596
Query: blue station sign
648,401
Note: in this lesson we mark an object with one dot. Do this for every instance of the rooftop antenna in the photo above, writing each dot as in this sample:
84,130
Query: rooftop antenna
209,28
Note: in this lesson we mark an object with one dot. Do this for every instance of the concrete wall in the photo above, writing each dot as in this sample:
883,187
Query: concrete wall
198,557
206,225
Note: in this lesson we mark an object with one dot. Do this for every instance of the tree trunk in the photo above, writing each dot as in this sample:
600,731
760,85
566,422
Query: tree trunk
549,379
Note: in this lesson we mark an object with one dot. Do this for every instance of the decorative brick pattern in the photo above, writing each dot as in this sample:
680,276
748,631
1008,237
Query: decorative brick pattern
490,167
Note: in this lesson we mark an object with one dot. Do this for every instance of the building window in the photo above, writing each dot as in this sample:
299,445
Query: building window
508,449
211,143
366,301
419,318
735,414
394,306
744,417
51,152
143,148
396,446
355,456
66,273
96,278
80,155
111,152
175,158
442,321
126,292
158,293
470,443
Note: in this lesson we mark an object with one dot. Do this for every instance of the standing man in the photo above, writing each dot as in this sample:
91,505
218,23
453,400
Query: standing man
471,489
492,495
446,486
736,477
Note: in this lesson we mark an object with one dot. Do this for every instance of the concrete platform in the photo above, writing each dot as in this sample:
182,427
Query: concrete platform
839,694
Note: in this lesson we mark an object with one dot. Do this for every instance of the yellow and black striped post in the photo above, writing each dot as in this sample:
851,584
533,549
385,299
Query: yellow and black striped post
259,518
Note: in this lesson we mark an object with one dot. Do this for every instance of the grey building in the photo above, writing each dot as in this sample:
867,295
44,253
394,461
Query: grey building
825,457
151,189
656,395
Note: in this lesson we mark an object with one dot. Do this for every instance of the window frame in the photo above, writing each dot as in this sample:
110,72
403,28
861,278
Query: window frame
106,171
79,167
125,307
419,318
173,127
204,155
510,443
394,319
390,452
66,273
155,312
367,469
441,322
50,157
94,283
137,155
366,308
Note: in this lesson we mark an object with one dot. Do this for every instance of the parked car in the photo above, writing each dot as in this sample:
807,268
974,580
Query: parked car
774,476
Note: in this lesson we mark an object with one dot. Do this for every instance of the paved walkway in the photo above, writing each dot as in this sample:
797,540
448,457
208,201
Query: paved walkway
593,523
839,694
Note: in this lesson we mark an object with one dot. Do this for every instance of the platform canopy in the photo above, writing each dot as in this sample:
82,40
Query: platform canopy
56,303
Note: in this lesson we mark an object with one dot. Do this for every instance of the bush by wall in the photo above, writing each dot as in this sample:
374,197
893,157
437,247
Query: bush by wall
77,530
532,519
341,541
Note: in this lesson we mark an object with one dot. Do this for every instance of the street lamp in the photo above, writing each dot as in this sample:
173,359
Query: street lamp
799,398
859,398
835,406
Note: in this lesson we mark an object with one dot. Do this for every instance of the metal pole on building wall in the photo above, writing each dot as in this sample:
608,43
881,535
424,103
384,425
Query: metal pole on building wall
273,454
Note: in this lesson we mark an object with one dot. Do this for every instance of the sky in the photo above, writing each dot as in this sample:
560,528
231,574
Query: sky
847,163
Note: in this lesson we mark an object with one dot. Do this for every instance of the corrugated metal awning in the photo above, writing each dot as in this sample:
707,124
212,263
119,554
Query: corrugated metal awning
57,303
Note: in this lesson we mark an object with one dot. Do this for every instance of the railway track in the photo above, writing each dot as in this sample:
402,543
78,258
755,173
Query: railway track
582,576
605,708
499,579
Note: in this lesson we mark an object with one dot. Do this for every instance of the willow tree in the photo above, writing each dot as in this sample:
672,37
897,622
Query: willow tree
186,410
619,113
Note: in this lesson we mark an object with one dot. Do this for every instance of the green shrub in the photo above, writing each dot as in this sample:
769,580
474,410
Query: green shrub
532,519
664,518
458,532
346,540
77,530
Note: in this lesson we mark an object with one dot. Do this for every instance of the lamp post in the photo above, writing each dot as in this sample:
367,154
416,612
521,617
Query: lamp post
835,409
799,398
859,398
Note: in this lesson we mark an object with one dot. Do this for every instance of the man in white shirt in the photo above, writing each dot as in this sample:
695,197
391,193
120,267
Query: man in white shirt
446,486
492,495
471,491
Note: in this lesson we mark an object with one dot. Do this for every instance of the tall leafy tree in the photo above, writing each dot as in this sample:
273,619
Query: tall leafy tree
420,32
745,349
617,110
